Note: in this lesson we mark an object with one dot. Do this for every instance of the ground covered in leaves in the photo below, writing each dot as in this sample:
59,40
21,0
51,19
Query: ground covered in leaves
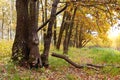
12,72
60,69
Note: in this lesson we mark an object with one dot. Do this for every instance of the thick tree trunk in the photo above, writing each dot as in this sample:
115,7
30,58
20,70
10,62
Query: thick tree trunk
34,56
48,37
20,46
25,47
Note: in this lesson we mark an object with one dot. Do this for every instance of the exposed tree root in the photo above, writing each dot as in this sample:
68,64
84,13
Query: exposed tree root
89,66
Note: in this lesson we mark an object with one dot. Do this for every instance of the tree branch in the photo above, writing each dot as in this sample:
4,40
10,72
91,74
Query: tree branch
44,24
89,66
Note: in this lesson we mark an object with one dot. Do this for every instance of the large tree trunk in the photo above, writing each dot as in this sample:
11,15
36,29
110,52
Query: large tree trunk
34,56
49,34
25,47
20,45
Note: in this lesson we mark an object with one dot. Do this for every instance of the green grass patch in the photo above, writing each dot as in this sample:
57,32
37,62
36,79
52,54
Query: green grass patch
105,55
57,63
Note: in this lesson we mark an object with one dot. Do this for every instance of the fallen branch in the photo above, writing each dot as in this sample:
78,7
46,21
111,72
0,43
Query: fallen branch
73,63
89,66
67,59
44,24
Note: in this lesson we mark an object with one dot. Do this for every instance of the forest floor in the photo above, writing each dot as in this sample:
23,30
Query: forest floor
12,72
60,69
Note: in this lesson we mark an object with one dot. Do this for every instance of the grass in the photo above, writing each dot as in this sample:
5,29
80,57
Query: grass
58,66
98,55
105,55
5,49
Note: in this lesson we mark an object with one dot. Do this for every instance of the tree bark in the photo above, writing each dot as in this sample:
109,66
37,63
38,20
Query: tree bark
25,47
45,18
72,24
48,37
55,32
34,56
68,32
20,45
67,25
62,28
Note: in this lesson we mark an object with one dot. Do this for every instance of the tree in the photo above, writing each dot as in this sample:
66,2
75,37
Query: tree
25,47
49,34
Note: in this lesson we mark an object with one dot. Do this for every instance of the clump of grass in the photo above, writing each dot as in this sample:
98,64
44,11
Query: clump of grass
57,63
9,72
5,49
71,77
111,71
105,55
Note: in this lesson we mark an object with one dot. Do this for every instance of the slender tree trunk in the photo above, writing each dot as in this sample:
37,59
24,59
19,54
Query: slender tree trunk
3,14
62,28
76,36
80,36
49,34
45,18
71,24
8,31
55,34
69,32
65,49
11,4
67,25
45,10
